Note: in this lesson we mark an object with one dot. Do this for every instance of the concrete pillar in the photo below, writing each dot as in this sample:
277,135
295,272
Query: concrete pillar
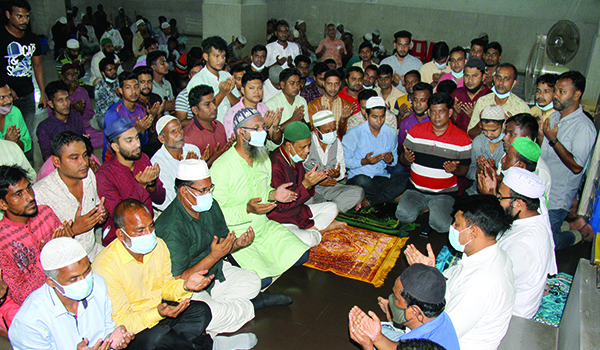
592,90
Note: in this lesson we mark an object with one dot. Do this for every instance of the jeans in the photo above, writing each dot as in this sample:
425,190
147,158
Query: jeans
439,205
186,331
381,189
562,239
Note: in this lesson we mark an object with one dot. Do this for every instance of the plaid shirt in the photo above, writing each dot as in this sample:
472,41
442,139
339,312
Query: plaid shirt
311,92
105,97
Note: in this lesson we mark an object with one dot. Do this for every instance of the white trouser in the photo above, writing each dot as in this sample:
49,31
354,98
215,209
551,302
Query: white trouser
229,301
323,216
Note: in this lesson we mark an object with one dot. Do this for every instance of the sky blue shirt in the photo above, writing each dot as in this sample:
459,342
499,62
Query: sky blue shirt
43,322
359,141
439,330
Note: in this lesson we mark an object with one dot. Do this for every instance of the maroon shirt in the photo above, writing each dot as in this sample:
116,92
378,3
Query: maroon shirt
461,94
117,182
201,137
295,212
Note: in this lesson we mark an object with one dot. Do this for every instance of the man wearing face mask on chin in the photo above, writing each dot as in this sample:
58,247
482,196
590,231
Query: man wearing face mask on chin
417,302
197,236
480,291
307,221
242,179
505,80
146,298
327,153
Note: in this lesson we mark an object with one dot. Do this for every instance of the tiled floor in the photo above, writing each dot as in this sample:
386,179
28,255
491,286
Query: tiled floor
318,318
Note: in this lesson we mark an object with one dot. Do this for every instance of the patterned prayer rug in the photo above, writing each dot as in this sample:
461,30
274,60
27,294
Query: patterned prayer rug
378,218
357,253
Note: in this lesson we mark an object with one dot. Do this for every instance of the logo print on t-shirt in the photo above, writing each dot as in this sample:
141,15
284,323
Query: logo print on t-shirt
19,59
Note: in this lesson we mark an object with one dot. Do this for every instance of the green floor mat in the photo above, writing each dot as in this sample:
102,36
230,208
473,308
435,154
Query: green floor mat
378,218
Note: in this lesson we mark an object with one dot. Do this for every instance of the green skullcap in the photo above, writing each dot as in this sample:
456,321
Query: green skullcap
527,148
296,131
105,41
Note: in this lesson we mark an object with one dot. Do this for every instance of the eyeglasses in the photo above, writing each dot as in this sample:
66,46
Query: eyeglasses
258,128
499,196
203,191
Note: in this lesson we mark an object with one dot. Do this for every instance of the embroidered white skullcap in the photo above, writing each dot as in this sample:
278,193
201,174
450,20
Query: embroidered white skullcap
322,118
368,36
72,44
493,112
192,170
524,182
162,122
296,33
139,22
165,25
62,20
300,21
241,39
375,101
61,252
376,32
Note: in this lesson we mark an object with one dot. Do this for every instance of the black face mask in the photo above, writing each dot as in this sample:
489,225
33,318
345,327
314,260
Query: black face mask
475,89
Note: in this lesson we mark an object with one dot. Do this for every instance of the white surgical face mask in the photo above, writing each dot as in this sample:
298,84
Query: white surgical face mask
545,108
440,66
328,138
453,237
499,95
256,67
78,290
142,244
458,75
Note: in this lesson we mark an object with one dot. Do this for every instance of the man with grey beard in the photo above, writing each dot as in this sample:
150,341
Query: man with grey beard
242,178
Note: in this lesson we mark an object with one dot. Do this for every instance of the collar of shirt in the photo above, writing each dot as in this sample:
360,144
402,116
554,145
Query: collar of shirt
197,123
59,309
473,261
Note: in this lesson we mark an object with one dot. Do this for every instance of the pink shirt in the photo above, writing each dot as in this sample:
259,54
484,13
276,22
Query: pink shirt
228,119
449,76
332,50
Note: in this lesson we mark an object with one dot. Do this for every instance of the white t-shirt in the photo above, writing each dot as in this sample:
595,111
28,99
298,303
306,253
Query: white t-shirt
275,49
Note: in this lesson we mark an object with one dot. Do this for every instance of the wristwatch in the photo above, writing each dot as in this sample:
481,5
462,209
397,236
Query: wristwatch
553,142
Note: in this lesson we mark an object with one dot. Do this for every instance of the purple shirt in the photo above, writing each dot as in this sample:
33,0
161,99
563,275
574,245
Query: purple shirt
228,118
405,125
311,92
88,113
118,110
51,126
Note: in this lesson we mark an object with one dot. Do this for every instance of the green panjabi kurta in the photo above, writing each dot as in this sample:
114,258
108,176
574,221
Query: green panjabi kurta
275,248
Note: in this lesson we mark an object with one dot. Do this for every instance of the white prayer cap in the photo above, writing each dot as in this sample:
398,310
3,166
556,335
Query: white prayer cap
524,182
61,252
296,33
368,36
375,101
139,22
376,32
192,170
493,112
162,122
322,118
62,20
299,22
165,25
72,44
241,39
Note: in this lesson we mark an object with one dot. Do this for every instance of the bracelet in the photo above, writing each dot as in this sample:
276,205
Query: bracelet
553,142
184,287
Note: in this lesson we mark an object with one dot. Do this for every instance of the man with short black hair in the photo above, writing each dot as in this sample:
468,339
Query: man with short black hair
302,63
369,149
505,80
258,56
480,290
386,89
157,60
316,89
14,128
567,145
438,153
341,108
365,52
354,84
404,103
237,72
472,90
432,71
402,61
544,95
370,78
294,106
282,52
70,190
107,51
153,104
361,116
206,132
105,93
417,302
182,104
150,45
60,116
213,75
457,60
492,56
477,48
420,96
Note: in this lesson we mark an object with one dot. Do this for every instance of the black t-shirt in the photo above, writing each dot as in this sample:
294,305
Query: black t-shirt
15,57
264,72
153,143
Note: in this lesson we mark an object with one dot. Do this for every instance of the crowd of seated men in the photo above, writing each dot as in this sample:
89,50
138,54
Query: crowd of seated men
218,172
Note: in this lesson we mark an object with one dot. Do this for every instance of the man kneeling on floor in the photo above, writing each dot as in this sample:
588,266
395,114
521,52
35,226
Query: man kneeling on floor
307,221
194,229
418,303
145,296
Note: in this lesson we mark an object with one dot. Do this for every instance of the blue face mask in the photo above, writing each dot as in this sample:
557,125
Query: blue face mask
203,202
440,66
546,107
258,138
497,139
453,236
328,138
500,96
458,75
296,158
78,290
141,244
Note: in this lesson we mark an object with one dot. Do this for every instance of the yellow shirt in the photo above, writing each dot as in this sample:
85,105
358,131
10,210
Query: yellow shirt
537,112
429,69
136,288
391,99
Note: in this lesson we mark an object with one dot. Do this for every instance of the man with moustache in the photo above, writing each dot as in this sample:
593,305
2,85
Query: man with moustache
404,103
544,94
154,105
466,96
70,190
505,80
432,71
128,174
457,60
127,107
477,48
105,90
294,106
174,149
316,89
60,116
331,47
421,93
108,51
492,56
402,61
370,78
258,55
282,52
386,89
342,109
